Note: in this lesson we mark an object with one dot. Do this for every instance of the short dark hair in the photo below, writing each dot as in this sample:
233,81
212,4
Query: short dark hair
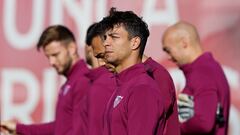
91,34
93,31
133,24
55,33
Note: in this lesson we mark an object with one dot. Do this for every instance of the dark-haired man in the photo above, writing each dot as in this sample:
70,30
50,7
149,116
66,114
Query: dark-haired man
103,83
136,105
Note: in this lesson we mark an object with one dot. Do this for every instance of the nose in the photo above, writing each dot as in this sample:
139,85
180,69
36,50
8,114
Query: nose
106,41
52,61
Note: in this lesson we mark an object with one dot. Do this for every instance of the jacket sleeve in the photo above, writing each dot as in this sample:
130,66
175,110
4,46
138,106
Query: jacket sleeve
203,121
36,129
79,108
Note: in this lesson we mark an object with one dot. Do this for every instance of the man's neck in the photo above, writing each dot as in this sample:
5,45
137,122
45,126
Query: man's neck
144,58
74,61
195,54
127,63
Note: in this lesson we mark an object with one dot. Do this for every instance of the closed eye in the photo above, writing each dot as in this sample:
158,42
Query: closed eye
166,50
100,55
55,54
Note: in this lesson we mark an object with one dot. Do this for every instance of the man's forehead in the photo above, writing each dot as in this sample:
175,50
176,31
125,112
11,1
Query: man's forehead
115,29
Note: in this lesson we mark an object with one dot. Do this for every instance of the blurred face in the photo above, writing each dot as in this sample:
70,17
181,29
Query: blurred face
90,59
172,46
58,56
117,45
98,50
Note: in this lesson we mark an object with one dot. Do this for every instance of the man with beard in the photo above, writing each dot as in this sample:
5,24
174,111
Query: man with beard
60,48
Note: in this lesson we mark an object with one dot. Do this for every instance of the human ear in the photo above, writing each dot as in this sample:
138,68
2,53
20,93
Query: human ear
185,42
72,47
135,43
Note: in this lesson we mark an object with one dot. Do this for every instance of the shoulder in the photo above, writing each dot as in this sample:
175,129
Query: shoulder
157,69
144,83
202,80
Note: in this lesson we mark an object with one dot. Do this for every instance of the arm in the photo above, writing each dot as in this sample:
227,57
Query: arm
79,117
95,110
35,129
32,129
203,121
145,111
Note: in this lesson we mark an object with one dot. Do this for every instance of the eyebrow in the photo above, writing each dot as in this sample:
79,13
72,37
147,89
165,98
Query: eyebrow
113,33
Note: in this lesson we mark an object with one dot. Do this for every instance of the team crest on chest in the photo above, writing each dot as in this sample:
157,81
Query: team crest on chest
66,89
117,101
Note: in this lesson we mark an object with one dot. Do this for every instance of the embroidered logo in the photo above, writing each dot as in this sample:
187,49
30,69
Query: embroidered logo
66,89
117,101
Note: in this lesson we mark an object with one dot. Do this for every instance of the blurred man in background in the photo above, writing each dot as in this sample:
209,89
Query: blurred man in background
94,49
204,102
59,46
103,82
